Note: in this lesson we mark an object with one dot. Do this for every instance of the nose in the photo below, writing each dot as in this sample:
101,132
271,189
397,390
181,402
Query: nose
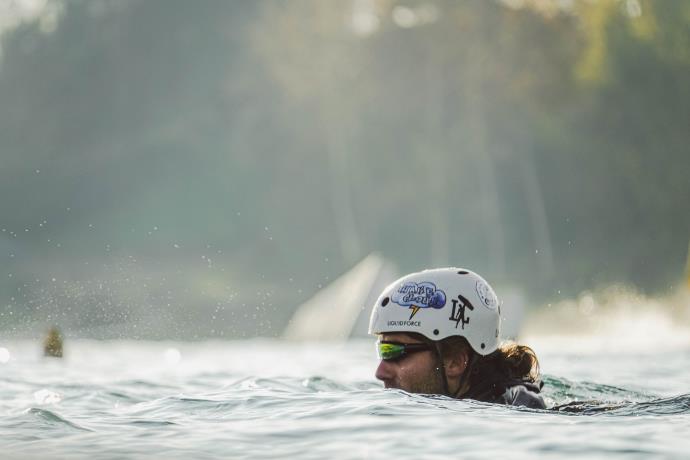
385,371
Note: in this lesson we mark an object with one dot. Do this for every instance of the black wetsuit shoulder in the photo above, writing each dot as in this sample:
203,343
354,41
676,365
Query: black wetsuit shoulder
511,392
524,394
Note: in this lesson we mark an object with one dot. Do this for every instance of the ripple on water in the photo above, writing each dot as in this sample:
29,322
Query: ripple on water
52,419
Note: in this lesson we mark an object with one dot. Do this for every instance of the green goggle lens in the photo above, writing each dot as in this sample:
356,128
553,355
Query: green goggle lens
390,351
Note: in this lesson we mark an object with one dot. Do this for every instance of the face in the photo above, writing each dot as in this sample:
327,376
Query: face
415,373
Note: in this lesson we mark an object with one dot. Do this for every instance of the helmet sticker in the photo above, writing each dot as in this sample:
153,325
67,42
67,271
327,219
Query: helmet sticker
486,294
458,313
419,295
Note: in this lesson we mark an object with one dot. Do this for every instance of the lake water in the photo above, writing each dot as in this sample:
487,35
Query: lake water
272,399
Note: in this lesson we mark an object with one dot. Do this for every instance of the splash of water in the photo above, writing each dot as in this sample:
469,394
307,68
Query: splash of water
615,318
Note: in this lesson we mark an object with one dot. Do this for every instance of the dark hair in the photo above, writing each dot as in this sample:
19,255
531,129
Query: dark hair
510,362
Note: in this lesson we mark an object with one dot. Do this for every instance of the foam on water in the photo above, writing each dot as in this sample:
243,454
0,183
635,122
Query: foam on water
268,399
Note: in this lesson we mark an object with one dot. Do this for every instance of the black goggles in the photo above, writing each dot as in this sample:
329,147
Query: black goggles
390,351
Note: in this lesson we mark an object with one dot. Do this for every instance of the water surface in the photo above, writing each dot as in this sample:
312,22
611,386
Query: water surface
268,399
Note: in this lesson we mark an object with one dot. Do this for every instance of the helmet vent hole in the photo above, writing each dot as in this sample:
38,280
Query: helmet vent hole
483,346
435,331
385,301
463,272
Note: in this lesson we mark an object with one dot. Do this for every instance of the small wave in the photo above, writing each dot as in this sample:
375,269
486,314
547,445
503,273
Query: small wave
318,383
151,423
53,419
293,385
676,405
562,390
145,384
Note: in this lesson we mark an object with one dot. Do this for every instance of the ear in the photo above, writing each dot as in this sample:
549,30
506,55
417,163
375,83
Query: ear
455,365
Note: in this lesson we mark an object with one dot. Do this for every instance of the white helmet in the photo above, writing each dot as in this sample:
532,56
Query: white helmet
453,301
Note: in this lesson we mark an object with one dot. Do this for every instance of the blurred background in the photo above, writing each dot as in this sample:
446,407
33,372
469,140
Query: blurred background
187,170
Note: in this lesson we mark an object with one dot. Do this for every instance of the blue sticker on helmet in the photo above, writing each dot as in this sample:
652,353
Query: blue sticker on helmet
419,295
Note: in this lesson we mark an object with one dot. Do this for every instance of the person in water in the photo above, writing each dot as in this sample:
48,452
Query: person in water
52,344
439,333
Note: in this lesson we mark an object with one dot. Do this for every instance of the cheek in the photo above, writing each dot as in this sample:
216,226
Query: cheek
410,379
416,370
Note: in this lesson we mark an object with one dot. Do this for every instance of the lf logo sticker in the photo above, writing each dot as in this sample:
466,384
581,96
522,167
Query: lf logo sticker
458,313
419,295
487,294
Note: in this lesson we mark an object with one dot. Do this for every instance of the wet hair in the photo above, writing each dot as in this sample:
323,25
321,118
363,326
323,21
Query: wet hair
511,362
